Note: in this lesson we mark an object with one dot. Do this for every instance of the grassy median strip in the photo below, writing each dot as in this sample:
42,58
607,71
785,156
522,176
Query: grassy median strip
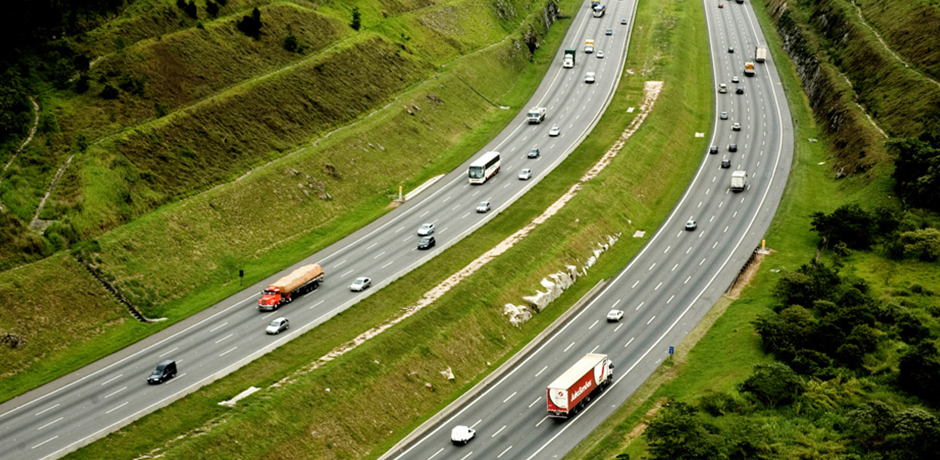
723,348
361,404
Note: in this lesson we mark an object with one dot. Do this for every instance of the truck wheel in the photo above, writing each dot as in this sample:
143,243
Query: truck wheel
315,285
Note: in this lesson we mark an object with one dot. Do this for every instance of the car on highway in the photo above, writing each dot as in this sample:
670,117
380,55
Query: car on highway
589,77
713,149
735,79
555,131
691,225
277,326
736,127
600,55
721,5
740,90
425,229
609,31
166,370
722,88
484,206
360,284
724,115
525,174
623,22
731,49
725,163
614,316
461,435
534,153
426,242
732,147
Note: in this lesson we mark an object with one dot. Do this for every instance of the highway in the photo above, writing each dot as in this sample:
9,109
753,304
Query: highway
664,291
88,404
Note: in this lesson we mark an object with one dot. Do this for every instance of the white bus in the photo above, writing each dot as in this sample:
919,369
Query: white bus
484,168
599,10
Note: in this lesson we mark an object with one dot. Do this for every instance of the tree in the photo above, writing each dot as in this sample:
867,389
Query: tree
356,19
919,371
784,333
676,433
212,8
917,171
916,434
14,111
811,282
773,384
923,243
870,424
191,9
849,224
251,25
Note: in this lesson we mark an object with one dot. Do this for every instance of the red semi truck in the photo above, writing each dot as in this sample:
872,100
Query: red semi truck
575,388
286,289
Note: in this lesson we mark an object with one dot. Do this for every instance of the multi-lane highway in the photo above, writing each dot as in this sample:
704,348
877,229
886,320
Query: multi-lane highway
664,291
77,409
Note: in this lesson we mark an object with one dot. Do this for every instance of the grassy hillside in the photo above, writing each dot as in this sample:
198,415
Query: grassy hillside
849,399
186,256
909,28
465,330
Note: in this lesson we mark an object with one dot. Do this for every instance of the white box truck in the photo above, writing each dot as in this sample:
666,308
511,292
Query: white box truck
738,180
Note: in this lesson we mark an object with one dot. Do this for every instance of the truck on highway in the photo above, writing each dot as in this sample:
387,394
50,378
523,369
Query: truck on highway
761,54
749,69
288,288
589,45
536,115
599,9
573,389
738,180
569,58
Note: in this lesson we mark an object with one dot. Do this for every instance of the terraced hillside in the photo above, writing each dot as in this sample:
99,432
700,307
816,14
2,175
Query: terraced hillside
213,151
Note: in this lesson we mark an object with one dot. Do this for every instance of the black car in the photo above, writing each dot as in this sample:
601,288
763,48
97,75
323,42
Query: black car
713,150
731,50
725,164
426,242
732,147
166,370
740,90
534,153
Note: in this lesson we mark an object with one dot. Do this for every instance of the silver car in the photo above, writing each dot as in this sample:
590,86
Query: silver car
361,284
277,326
425,229
525,174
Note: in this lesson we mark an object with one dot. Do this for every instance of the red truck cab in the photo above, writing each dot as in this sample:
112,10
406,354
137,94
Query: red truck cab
271,298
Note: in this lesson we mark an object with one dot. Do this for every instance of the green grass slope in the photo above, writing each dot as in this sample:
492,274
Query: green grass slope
186,256
910,29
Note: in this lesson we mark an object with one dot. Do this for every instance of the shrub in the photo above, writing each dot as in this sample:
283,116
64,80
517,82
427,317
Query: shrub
848,224
212,8
773,384
923,244
190,9
109,92
917,168
291,44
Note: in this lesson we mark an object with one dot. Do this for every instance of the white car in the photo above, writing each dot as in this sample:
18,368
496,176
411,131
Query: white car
483,206
360,284
555,131
425,229
461,435
589,77
525,174
614,316
736,127
278,325
600,55
691,225
735,79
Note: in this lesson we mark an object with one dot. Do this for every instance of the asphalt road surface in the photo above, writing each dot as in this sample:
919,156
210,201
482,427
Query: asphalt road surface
664,291
94,401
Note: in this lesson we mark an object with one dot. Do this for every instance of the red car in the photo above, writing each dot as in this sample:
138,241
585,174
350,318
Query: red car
721,5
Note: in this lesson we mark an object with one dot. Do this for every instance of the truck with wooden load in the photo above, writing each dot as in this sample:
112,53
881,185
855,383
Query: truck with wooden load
589,46
738,180
569,58
749,69
288,288
760,55
536,115
573,389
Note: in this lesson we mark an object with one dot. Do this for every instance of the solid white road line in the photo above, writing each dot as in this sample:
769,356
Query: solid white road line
47,409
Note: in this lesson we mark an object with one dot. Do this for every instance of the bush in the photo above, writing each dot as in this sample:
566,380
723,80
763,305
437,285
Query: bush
773,384
919,371
917,169
109,92
212,8
190,9
291,44
923,244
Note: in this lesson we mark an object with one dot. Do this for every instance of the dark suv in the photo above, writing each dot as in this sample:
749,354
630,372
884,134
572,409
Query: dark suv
426,242
166,370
